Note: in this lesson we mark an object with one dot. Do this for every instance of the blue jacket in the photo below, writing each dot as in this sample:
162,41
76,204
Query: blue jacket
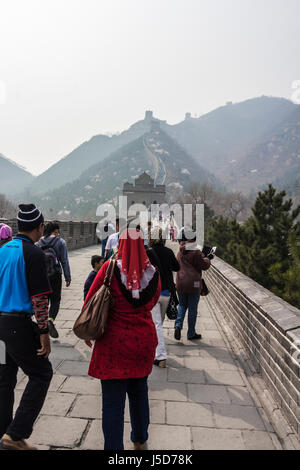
23,275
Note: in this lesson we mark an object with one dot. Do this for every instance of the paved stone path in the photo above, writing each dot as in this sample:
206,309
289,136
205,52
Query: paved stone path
201,401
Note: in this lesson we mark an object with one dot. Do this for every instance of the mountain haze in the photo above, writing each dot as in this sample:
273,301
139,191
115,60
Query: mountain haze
227,133
274,160
154,152
14,178
87,154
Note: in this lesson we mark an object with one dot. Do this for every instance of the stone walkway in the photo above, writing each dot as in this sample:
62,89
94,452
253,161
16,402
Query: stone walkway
201,401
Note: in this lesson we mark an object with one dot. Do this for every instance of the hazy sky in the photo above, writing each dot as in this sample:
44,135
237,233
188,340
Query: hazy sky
70,69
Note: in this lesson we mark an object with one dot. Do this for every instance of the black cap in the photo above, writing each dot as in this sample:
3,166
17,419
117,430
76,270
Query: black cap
29,217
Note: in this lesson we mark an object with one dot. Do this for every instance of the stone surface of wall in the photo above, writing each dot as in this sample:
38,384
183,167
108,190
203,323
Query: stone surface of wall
76,234
268,328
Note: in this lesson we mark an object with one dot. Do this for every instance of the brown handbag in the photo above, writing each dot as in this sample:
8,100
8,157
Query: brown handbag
91,323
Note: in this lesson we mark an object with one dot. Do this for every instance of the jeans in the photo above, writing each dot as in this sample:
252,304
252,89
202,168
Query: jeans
21,338
103,245
113,405
55,296
190,302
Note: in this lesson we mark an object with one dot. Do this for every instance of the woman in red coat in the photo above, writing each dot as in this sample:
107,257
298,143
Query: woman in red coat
124,356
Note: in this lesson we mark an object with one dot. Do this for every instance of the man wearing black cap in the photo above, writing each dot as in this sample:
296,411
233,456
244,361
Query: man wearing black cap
24,289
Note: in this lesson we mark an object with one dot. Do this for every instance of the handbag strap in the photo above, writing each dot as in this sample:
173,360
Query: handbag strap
109,273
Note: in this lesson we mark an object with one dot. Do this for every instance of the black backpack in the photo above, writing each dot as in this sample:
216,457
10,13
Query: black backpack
52,263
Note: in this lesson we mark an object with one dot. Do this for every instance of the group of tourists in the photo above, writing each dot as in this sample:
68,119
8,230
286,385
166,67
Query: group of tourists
144,291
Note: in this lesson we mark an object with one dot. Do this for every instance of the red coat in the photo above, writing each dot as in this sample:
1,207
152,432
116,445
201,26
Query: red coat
127,348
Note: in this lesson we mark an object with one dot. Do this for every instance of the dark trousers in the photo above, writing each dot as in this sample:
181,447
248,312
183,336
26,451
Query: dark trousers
55,297
113,405
21,339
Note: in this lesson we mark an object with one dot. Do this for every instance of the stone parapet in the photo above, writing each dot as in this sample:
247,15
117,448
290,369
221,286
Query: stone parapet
76,234
269,329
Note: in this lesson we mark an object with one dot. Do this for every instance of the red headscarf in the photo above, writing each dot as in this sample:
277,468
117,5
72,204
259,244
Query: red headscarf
134,260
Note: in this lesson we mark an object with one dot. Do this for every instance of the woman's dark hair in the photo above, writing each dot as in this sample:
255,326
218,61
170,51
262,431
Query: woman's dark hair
157,237
96,259
187,235
50,227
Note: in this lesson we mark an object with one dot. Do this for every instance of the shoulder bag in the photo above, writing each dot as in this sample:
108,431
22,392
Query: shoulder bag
91,323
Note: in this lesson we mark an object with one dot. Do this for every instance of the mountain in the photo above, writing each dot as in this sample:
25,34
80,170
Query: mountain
214,140
154,152
95,150
276,159
14,178
224,136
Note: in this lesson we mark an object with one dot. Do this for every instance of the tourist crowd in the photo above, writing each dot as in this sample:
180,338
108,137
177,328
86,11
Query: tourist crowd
143,290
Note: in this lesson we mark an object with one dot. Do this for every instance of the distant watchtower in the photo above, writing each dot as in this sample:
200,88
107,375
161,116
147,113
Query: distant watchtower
143,191
148,116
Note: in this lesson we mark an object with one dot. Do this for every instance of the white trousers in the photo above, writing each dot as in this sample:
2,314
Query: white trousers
158,315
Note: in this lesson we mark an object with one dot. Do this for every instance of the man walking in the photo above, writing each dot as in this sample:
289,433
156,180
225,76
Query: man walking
24,290
56,252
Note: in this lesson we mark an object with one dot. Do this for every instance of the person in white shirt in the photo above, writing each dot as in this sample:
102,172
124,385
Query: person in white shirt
112,241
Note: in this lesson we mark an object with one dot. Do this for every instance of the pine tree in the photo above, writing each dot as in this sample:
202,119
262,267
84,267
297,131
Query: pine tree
265,238
288,283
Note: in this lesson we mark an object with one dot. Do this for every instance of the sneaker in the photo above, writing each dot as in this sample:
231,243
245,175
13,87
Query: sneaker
52,330
177,333
196,336
162,363
7,443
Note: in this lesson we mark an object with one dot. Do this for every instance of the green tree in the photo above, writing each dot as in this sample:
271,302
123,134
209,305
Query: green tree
288,282
265,239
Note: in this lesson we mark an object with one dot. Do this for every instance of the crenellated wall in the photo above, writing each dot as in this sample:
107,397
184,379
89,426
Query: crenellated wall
268,328
76,234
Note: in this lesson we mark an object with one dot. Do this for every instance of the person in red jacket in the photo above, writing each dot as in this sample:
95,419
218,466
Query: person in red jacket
123,358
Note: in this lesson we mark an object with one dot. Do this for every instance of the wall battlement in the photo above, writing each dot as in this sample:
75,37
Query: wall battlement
76,234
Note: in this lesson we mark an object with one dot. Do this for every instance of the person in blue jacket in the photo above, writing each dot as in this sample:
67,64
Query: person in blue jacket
24,290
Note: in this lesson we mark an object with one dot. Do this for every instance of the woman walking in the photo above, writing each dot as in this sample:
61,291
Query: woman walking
166,262
123,358
189,284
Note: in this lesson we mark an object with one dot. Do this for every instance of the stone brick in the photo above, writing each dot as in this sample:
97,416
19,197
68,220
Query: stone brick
237,417
189,414
58,404
257,440
186,376
82,385
74,368
224,377
240,396
86,406
217,439
200,363
59,431
167,391
169,437
208,393
94,440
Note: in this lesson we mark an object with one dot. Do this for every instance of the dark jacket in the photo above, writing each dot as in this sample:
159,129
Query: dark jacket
61,251
192,263
166,262
88,283
4,241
